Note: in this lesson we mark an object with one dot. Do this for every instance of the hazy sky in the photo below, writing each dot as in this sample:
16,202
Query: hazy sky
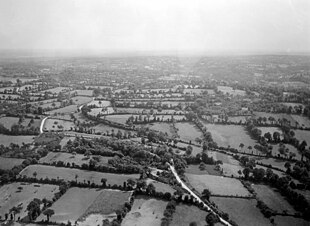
161,25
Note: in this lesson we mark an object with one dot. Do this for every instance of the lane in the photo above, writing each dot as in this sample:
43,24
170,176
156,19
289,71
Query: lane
194,195
42,124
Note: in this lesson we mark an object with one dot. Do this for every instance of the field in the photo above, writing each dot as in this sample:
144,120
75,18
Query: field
230,135
83,92
303,135
301,120
195,150
81,100
79,203
100,103
162,127
117,118
274,162
230,91
69,174
65,140
146,110
270,130
8,122
6,140
217,185
145,211
185,214
102,128
237,119
21,194
188,132
290,221
57,125
77,159
64,110
241,211
291,148
103,111
273,199
209,170
161,187
9,163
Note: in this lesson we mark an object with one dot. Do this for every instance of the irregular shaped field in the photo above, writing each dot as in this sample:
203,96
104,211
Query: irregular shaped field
21,194
217,185
188,132
145,211
290,221
242,211
185,214
9,163
6,140
69,174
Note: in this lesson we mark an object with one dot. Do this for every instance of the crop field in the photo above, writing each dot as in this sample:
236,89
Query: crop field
145,211
303,135
69,174
273,199
57,125
230,135
242,211
6,140
185,214
21,194
9,163
290,221
217,185
64,110
161,187
8,122
77,159
188,132
81,100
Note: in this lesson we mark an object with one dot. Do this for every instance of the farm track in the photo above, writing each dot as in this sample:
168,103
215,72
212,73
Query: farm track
42,124
195,196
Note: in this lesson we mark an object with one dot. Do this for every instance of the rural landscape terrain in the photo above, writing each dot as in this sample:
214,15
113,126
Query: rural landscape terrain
155,140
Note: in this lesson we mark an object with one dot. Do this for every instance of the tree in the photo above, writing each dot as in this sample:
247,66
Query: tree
206,194
211,219
189,150
35,174
150,189
33,209
246,172
104,182
48,213
241,145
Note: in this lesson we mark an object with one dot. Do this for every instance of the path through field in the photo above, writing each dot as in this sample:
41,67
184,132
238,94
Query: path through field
42,124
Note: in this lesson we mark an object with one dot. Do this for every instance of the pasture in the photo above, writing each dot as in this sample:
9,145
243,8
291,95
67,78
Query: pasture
163,127
83,92
77,159
100,103
78,100
52,124
103,111
9,163
290,221
242,211
217,185
6,140
8,122
274,200
21,194
230,135
230,91
65,110
161,187
303,135
57,90
69,174
145,211
188,132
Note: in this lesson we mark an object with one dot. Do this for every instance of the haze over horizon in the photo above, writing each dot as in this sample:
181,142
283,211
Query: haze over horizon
161,26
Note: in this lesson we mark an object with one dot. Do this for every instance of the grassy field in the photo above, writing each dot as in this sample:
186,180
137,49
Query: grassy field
230,135
163,127
229,90
217,185
273,199
52,124
102,128
188,132
65,140
185,214
237,119
6,140
270,130
21,194
72,204
81,100
100,103
64,110
303,135
161,187
9,163
8,122
291,148
241,211
209,170
290,221
102,111
77,159
69,174
56,90
83,92
145,211
146,110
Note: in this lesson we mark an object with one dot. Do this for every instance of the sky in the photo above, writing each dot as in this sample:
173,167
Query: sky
156,25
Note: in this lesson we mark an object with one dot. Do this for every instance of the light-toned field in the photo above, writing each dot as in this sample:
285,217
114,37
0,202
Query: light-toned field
65,140
57,90
237,119
81,100
72,204
102,111
303,135
301,120
65,110
188,132
162,127
52,105
9,163
229,90
52,124
100,103
161,187
145,211
217,185
6,140
242,211
77,159
118,118
185,214
21,194
68,174
195,150
273,199
291,148
8,122
102,128
290,221
274,162
146,110
230,135
83,92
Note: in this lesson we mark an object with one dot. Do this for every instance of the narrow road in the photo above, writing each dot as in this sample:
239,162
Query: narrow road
194,195
42,124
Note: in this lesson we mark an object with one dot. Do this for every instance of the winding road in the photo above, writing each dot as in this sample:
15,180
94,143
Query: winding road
194,195
42,124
